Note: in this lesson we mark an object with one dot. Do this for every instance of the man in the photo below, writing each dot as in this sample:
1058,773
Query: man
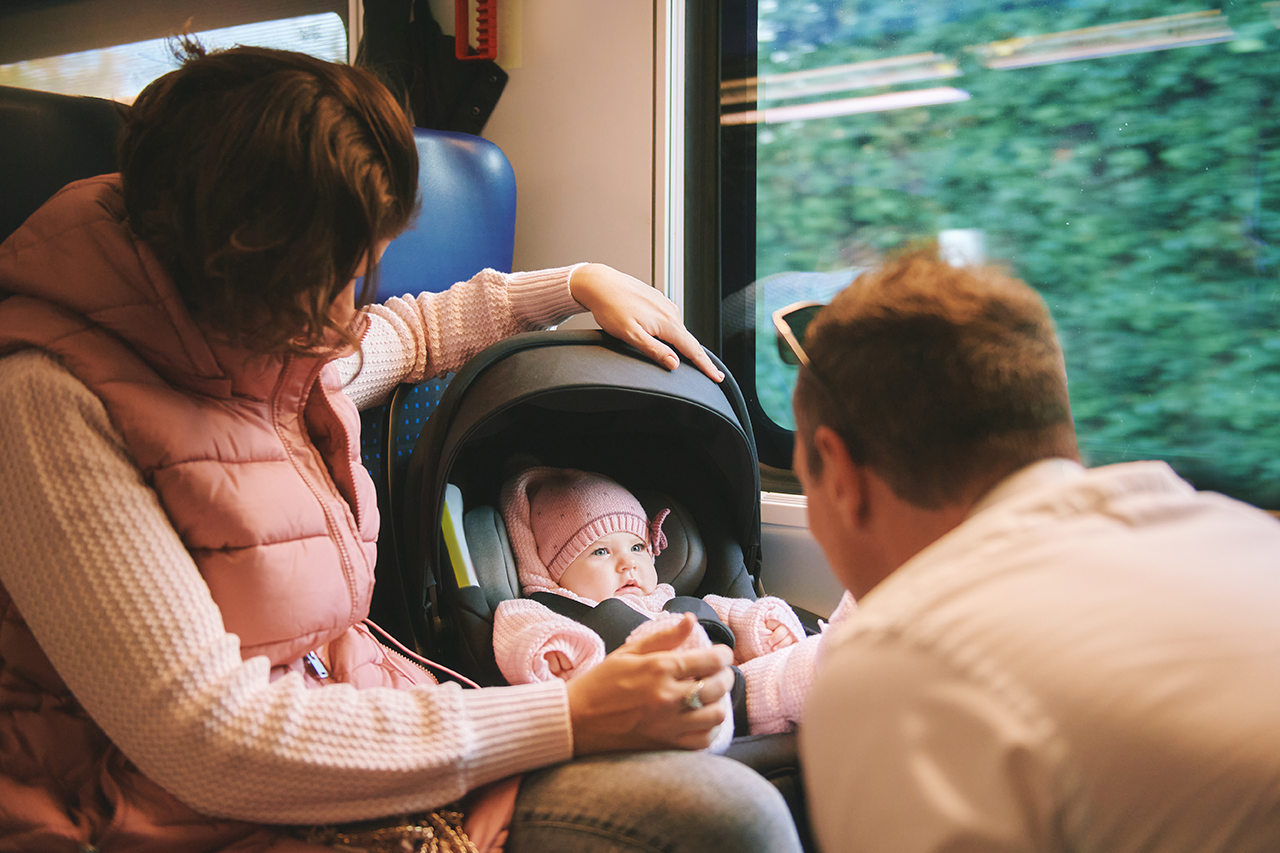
1045,657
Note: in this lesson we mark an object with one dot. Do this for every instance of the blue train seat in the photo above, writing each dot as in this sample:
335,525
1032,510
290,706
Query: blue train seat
467,219
466,222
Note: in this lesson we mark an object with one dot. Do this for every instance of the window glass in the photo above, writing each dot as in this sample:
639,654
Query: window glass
120,72
1122,156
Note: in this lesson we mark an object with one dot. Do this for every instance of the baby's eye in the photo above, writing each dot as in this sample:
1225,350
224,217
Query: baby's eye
600,552
639,547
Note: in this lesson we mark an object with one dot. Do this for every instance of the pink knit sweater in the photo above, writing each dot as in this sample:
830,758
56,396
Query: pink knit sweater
778,683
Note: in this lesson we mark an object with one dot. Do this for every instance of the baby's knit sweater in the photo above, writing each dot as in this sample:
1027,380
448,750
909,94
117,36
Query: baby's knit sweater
777,682
102,579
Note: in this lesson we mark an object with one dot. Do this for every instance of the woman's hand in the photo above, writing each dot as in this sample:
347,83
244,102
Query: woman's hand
635,699
636,313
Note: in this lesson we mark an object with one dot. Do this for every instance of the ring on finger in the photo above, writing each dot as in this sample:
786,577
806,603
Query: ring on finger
692,700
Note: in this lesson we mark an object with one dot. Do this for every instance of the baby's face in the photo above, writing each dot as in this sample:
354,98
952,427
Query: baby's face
615,564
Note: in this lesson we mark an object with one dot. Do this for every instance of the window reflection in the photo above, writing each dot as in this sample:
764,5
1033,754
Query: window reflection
1120,156
119,73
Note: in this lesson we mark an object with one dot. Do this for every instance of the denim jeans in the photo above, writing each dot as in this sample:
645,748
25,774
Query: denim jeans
656,802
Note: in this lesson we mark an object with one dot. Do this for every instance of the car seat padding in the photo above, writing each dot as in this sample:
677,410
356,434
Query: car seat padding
683,563
492,555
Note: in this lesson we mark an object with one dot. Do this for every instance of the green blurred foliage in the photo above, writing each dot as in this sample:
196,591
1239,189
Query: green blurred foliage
1140,194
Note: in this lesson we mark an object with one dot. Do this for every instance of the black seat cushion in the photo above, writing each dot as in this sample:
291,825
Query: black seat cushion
50,140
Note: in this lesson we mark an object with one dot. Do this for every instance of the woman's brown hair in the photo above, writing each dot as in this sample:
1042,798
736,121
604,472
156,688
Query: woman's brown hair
263,179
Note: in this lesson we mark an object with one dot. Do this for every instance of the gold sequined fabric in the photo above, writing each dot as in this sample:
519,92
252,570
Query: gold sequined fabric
431,832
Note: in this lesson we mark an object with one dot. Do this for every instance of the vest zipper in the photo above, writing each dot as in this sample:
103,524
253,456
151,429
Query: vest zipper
335,535
397,648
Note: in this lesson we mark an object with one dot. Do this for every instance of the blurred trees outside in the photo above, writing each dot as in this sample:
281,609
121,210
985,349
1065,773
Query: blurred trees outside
1139,193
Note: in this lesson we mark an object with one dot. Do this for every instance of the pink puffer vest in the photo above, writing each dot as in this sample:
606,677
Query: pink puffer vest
255,461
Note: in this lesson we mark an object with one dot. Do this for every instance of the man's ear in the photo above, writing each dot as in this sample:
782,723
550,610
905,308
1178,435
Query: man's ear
848,484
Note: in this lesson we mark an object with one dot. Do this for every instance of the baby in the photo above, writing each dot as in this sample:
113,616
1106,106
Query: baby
585,551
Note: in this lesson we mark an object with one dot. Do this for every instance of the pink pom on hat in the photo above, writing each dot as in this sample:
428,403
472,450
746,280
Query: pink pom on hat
554,514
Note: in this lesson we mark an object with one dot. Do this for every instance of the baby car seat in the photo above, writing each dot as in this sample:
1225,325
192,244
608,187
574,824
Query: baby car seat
584,400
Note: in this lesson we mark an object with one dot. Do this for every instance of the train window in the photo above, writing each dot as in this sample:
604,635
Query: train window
94,48
1123,156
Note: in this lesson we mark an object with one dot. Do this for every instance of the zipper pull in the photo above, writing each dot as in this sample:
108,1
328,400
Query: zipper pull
313,663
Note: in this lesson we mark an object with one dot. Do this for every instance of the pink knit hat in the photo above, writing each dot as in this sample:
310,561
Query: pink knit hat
554,514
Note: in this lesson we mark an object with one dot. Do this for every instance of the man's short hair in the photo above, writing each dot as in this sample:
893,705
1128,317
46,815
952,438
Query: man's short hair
945,375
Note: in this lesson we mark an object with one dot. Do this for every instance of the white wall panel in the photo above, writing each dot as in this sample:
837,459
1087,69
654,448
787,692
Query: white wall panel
577,121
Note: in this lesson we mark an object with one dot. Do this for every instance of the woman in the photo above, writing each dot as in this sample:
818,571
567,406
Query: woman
192,541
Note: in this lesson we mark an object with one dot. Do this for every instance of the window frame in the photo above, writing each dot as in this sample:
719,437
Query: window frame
719,209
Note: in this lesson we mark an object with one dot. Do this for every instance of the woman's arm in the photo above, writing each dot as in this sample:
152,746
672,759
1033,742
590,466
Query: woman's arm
122,613
433,333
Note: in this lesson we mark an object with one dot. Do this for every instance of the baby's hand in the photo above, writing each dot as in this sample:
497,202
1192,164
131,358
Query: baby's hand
780,635
559,664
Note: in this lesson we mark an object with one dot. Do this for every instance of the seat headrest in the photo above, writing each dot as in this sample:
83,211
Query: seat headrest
48,141
684,561
491,554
